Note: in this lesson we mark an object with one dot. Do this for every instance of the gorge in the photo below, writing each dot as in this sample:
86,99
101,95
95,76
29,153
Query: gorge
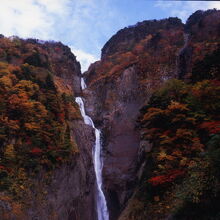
135,137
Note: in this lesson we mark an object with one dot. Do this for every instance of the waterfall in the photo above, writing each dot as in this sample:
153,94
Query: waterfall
181,60
102,210
83,84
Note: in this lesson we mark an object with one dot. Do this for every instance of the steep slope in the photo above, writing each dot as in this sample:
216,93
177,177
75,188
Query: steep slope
135,62
46,149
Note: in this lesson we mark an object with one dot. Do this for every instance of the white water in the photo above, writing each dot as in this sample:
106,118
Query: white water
83,84
102,210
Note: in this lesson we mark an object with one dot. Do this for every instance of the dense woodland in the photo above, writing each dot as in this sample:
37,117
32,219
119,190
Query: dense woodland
182,123
34,120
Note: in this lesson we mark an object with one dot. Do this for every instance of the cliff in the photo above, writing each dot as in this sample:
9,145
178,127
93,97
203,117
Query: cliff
118,86
46,149
136,62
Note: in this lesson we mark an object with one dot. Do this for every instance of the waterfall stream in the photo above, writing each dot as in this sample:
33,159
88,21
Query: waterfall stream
181,63
102,210
83,84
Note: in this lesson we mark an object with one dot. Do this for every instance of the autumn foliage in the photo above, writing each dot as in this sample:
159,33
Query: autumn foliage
35,114
182,122
168,178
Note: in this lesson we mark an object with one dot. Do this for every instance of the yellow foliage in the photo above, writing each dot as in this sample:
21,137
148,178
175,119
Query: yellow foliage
177,153
4,69
26,86
10,151
177,106
166,140
152,113
62,86
164,156
184,161
197,145
13,124
5,82
36,108
32,126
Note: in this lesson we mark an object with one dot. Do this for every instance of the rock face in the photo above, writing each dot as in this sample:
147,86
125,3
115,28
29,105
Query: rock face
69,194
135,62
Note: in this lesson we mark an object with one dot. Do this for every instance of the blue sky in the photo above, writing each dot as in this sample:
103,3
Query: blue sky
85,25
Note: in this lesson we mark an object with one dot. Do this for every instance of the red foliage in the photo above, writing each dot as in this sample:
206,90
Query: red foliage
59,159
50,148
213,127
215,83
171,176
2,167
57,49
61,117
167,132
5,168
36,151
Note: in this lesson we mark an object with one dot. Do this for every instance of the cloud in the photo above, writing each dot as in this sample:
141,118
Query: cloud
84,24
91,23
183,9
31,18
85,58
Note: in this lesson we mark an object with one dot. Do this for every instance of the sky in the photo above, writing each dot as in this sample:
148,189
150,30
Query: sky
86,25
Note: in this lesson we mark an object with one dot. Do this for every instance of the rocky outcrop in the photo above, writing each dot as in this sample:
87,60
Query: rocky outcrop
64,64
125,39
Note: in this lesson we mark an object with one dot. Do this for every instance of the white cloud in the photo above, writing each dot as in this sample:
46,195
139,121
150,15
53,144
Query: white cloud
80,23
183,9
31,18
85,58
91,23
58,7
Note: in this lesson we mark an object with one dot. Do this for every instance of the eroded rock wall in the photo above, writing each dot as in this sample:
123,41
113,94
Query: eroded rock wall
135,62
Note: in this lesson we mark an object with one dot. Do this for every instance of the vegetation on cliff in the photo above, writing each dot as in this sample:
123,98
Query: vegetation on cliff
35,116
140,46
178,121
182,122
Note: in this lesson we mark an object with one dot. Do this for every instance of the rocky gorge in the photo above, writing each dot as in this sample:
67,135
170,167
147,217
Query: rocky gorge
135,63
